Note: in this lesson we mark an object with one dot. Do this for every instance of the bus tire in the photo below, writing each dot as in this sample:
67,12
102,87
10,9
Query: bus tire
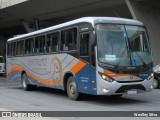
155,84
25,84
72,89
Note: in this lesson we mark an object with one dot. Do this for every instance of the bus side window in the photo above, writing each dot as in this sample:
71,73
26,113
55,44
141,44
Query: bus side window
20,48
36,47
52,42
13,48
39,44
69,39
29,46
84,45
42,44
48,43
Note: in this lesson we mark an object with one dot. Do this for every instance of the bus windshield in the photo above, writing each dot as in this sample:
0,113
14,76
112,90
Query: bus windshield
123,45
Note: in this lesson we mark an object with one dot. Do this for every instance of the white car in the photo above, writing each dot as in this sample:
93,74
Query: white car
2,65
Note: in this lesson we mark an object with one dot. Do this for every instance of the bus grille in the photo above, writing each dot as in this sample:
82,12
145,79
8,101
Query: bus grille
128,71
124,88
129,81
131,72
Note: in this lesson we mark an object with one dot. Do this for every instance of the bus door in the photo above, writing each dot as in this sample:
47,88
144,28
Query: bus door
84,55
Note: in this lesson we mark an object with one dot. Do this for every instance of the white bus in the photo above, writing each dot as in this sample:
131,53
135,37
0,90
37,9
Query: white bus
91,55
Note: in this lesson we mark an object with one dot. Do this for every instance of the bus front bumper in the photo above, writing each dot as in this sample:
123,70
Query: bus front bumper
116,88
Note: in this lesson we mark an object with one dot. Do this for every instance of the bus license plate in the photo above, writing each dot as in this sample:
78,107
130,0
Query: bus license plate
132,92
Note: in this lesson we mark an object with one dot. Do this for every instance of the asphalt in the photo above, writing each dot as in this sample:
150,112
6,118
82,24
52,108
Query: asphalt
13,98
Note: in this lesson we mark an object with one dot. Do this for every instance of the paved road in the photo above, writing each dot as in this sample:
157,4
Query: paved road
12,97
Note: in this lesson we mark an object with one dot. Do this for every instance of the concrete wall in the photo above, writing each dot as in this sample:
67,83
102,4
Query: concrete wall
151,18
7,3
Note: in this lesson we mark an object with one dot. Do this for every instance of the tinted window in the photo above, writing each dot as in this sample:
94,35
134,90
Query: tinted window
69,39
29,46
52,42
13,48
39,44
84,45
20,48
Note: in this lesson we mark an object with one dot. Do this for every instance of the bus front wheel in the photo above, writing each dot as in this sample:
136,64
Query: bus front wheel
155,84
72,89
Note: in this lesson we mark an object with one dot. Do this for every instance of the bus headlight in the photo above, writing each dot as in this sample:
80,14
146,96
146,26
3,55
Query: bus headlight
150,76
106,77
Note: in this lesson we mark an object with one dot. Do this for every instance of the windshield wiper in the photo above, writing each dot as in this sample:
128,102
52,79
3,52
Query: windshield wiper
130,47
144,64
131,50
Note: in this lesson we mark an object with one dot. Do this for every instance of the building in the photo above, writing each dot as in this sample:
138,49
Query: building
22,16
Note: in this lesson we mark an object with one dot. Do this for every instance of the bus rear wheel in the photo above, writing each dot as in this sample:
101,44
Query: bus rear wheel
25,84
72,89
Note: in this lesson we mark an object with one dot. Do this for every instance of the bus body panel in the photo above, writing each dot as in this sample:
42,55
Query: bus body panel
49,71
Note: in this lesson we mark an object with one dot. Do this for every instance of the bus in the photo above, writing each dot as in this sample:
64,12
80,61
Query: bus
90,55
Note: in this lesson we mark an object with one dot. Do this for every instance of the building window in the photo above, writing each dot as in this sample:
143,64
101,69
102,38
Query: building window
20,48
29,46
39,44
69,39
52,42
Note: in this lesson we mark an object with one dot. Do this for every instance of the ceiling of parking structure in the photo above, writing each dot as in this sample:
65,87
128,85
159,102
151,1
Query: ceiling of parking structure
150,4
114,11
57,11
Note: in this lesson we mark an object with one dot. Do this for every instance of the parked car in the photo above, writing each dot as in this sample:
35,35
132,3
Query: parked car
156,76
2,66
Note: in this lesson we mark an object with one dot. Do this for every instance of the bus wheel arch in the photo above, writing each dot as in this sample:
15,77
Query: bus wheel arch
23,73
65,79
25,84
70,83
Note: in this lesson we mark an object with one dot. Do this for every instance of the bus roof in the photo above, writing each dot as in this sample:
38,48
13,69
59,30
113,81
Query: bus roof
92,20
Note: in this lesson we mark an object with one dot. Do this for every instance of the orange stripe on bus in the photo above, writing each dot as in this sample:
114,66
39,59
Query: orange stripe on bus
48,82
112,74
78,67
16,67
